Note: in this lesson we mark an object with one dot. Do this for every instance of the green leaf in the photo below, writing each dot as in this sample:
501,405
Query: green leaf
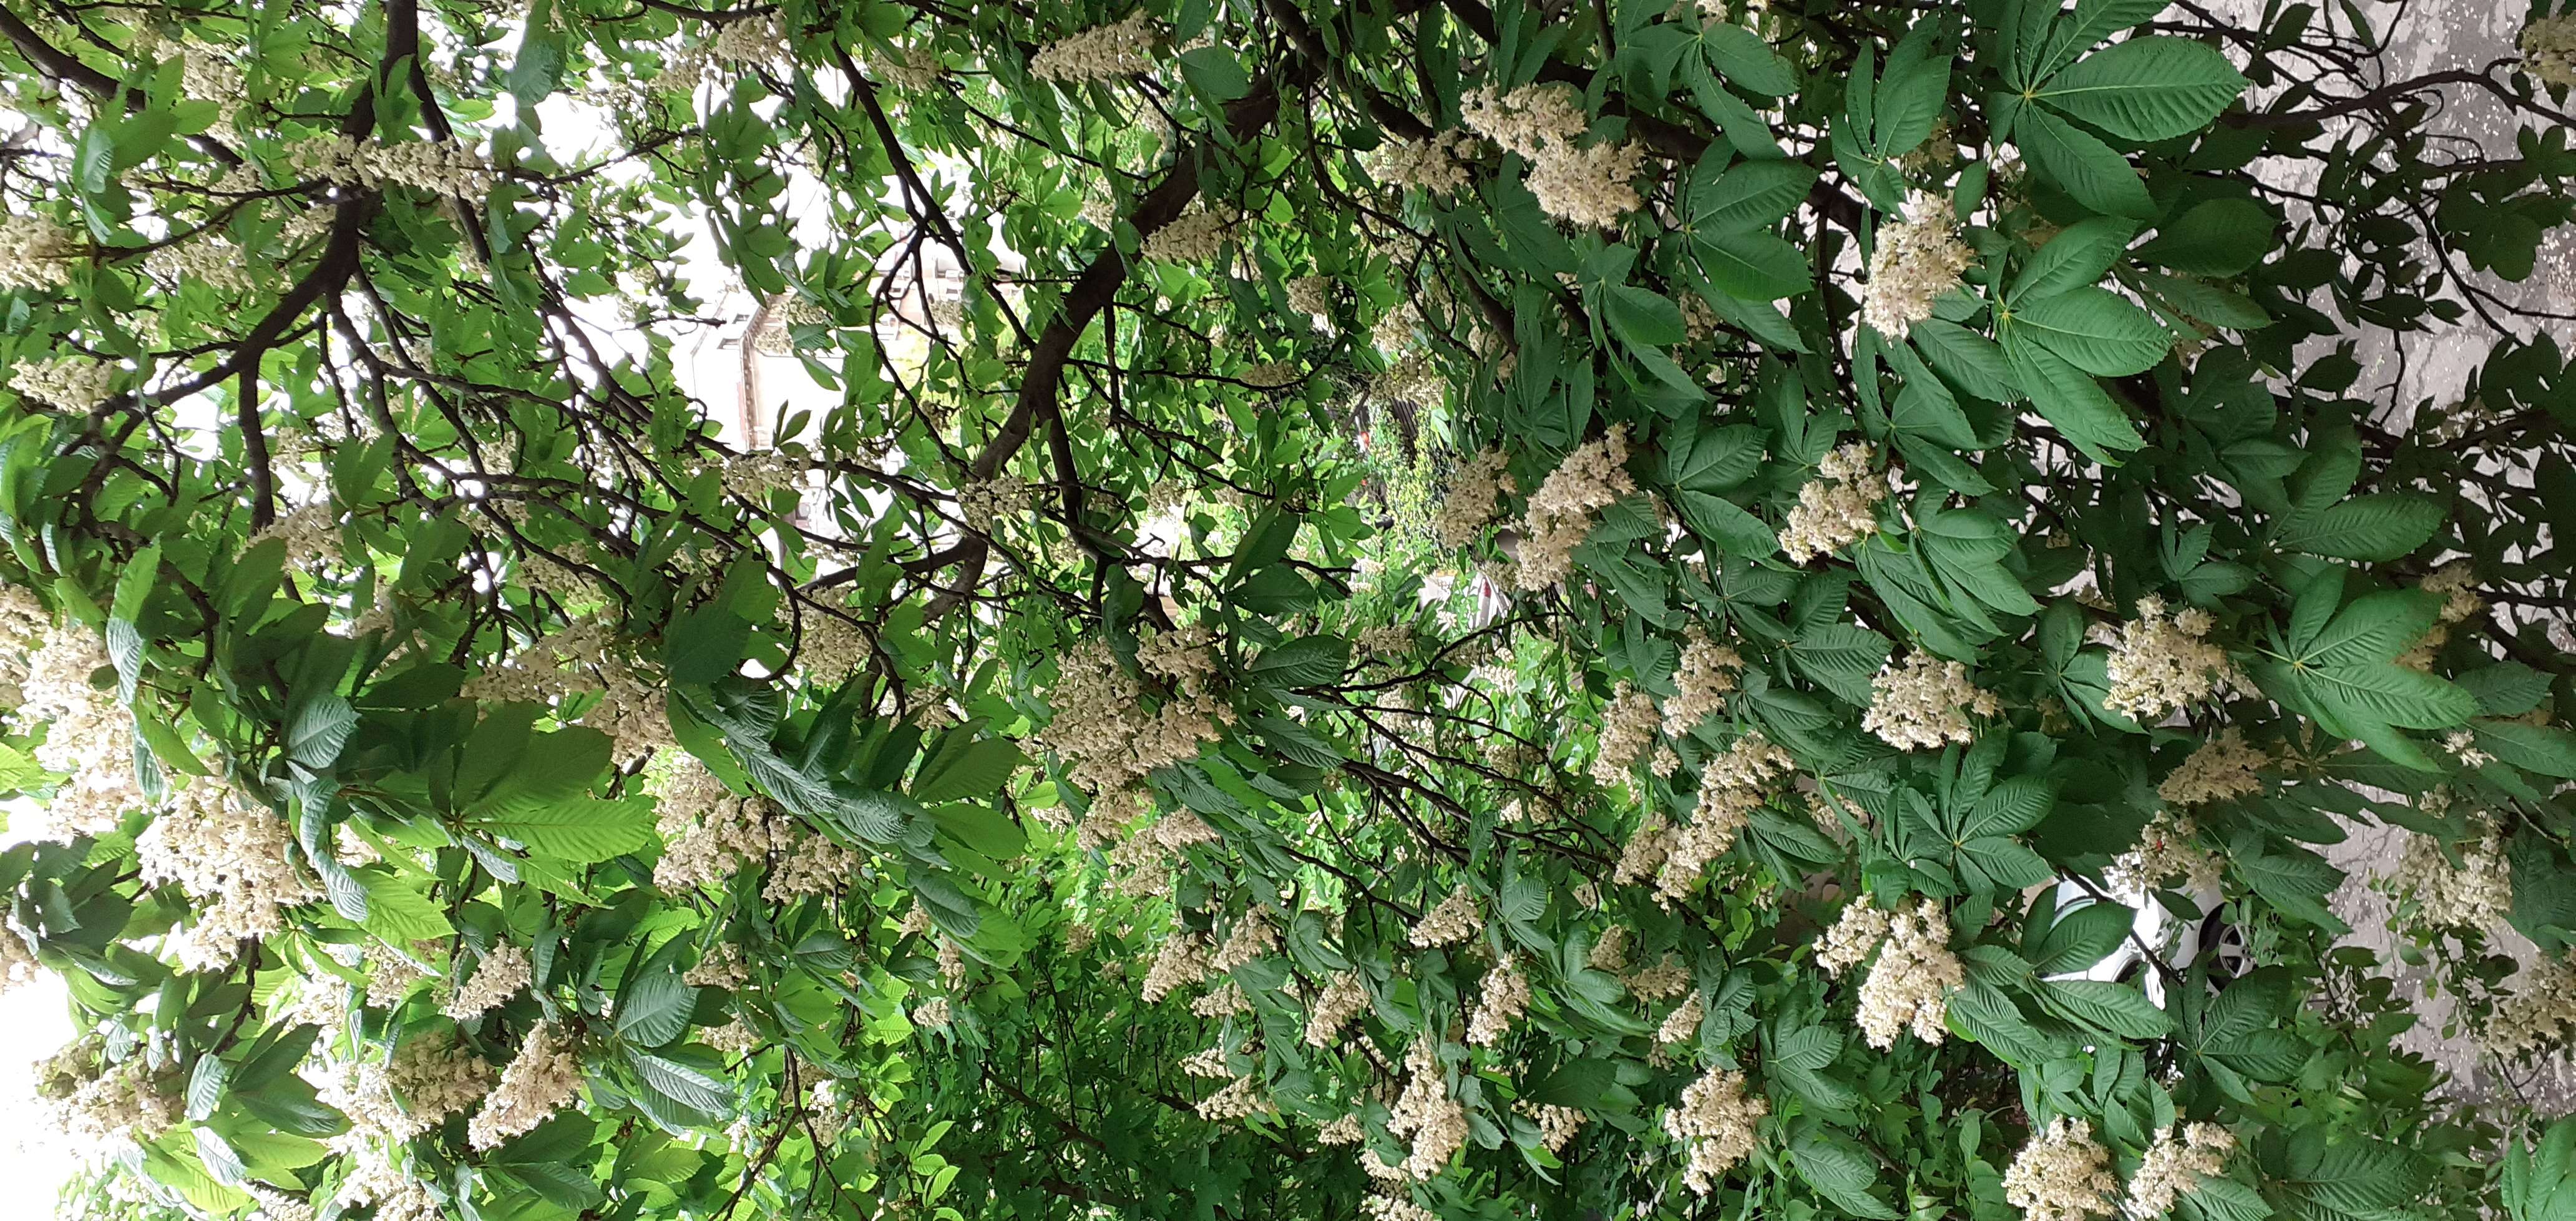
2081,936
2543,749
2084,167
653,1008
1216,73
1726,524
1303,661
1746,61
2219,238
2377,527
398,910
2094,331
576,830
1714,459
2113,1008
974,770
2076,258
2148,88
1754,266
1751,197
1970,360
2540,1175
1840,1174
2070,399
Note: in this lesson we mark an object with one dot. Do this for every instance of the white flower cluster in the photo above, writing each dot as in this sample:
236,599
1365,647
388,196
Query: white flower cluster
933,1014
982,503
1345,996
36,253
1910,984
2458,586
1683,1023
1253,938
1196,236
722,966
1715,1122
2220,769
1241,1098
1563,510
1592,186
1542,122
1922,703
1836,509
234,859
2174,1167
541,1080
88,736
1103,730
1395,1208
1437,1122
2541,1011
583,659
1706,675
750,40
2063,1174
2475,895
2549,50
1663,981
2167,848
310,534
1731,786
18,963
1388,641
391,973
102,1107
372,1177
441,166
1627,729
1437,163
709,835
2161,665
502,974
73,383
425,1080
1918,259
1556,1124
1503,997
1180,962
1469,506
754,474
1453,921
1121,48
1225,1000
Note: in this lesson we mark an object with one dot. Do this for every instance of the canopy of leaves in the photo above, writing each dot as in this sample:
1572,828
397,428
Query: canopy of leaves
1461,608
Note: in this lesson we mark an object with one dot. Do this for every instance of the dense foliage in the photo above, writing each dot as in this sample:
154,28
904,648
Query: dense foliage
1477,609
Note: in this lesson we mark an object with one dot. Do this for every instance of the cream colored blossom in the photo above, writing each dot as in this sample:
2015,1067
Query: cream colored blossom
1917,260
1910,985
36,254
503,973
1568,503
1252,938
2220,769
2549,50
1436,163
1923,703
1715,1122
2476,894
235,859
73,383
1503,997
1196,236
1454,920
1663,981
2161,665
1627,730
1121,48
426,1079
1425,1111
1225,1000
2168,847
2063,1174
933,1014
1556,1124
1732,785
1836,509
1181,961
2540,1012
1241,1098
1106,733
987,503
541,1080
1588,186
1469,506
1682,1024
1856,934
1345,997
1707,673
2174,1167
